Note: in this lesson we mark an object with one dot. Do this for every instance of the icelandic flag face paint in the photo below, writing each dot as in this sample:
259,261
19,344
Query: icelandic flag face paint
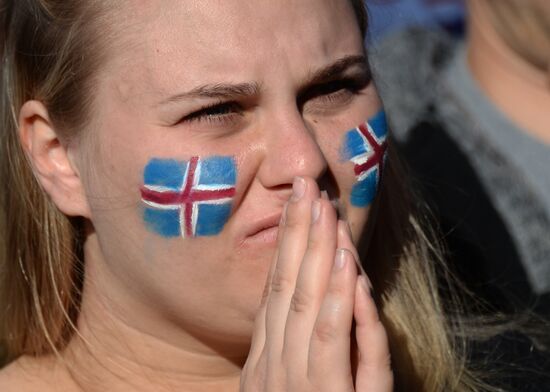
366,146
188,198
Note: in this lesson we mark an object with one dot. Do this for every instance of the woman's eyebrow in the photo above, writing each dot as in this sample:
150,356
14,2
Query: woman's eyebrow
240,90
217,90
336,69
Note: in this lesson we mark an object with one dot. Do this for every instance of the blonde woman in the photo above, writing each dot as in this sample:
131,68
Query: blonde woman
167,162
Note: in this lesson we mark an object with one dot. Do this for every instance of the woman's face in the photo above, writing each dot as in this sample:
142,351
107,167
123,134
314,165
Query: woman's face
218,104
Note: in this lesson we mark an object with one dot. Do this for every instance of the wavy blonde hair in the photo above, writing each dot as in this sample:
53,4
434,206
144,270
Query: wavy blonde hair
51,50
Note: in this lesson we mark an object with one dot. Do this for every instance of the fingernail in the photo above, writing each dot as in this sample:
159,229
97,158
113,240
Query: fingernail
315,211
324,195
298,188
340,260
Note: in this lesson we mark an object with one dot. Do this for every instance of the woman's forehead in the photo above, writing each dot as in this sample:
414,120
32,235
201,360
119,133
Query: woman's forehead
211,15
192,41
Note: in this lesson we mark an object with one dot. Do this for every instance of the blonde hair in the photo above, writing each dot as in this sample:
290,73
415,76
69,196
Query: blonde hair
405,262
524,25
47,47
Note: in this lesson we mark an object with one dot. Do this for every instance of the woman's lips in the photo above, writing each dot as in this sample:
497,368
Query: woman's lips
268,235
263,231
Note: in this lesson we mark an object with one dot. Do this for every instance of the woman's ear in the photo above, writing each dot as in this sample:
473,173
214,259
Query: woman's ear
51,161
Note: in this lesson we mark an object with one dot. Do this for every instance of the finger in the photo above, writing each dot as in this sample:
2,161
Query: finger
345,242
329,353
280,232
311,285
259,333
290,253
374,371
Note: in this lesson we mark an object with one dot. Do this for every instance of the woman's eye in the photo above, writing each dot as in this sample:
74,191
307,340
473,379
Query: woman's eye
334,90
336,94
332,94
219,113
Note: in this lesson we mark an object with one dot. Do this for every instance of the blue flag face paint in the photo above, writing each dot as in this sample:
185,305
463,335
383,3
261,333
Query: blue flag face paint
188,198
366,146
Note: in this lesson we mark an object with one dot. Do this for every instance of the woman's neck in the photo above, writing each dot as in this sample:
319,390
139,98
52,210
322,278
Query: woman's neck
517,88
124,345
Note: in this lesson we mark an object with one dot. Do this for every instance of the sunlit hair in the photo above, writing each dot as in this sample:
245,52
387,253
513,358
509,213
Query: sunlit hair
51,50
47,49
524,25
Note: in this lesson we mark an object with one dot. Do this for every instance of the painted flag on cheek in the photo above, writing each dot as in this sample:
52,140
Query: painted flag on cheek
188,198
366,146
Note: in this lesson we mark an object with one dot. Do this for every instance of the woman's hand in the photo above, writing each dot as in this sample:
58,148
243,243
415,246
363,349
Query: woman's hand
303,330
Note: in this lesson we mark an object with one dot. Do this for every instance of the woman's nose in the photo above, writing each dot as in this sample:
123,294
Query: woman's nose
291,150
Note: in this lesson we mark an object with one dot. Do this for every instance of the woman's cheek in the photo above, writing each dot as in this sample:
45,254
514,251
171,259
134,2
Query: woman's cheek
363,151
188,198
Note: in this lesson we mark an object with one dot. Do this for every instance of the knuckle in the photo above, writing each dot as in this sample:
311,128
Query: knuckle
325,332
280,282
338,291
301,301
378,363
314,243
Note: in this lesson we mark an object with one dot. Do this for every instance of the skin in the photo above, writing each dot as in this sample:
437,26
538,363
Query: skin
510,81
172,314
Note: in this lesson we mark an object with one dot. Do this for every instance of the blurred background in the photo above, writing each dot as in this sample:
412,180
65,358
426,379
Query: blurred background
388,16
469,115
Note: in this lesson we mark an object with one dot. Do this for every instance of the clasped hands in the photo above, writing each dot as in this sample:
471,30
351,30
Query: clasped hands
318,327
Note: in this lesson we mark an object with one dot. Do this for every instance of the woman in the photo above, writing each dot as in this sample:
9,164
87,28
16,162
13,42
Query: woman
165,160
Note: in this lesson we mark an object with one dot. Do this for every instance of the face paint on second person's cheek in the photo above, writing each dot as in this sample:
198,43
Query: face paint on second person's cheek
188,198
365,146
